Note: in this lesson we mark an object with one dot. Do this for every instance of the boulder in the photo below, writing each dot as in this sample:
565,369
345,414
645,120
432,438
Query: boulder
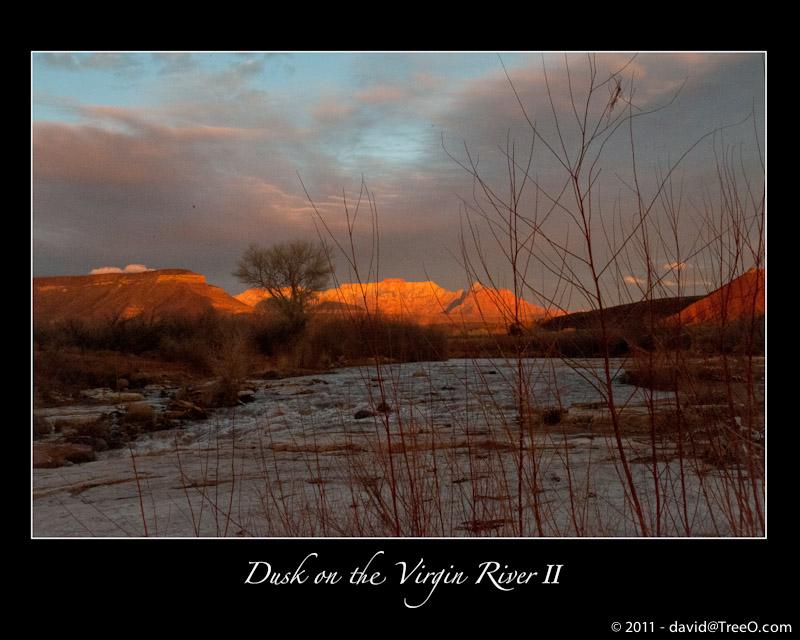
139,412
49,455
139,416
41,427
91,426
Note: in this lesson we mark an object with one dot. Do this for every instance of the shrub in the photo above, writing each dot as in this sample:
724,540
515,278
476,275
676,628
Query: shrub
270,334
329,340
231,360
742,336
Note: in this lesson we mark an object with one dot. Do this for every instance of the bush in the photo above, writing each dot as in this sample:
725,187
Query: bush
331,340
231,361
743,336
271,334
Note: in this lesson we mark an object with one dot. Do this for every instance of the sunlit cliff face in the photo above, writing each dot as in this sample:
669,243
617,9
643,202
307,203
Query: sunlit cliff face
165,291
425,302
127,295
743,297
149,294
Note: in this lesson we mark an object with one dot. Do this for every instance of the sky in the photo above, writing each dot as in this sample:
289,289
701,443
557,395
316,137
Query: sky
180,160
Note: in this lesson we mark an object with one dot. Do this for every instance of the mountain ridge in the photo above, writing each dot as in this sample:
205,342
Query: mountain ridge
425,302
742,297
155,294
121,296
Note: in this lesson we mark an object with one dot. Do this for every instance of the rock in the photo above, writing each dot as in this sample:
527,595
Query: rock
552,415
185,410
41,427
107,396
139,412
153,294
744,297
49,455
139,416
363,413
423,302
384,407
89,426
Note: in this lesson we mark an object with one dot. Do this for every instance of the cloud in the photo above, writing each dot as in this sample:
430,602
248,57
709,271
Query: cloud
632,280
216,149
175,62
115,62
131,268
330,110
676,266
383,94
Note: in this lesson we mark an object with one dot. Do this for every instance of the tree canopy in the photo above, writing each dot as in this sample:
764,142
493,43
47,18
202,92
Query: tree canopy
292,273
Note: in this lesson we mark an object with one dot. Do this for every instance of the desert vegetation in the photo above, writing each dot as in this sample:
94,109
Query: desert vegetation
75,355
425,453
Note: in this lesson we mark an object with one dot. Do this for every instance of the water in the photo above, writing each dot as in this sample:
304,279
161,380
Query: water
477,392
326,454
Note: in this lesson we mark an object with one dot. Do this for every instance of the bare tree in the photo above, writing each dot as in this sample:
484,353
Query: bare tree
292,273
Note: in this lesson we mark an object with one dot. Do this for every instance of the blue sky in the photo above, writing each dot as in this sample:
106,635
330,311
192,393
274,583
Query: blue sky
182,159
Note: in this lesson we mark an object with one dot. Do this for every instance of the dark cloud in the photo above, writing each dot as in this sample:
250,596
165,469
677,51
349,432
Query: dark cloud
223,161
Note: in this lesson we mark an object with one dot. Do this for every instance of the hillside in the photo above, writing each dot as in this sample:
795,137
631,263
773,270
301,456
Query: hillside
149,294
156,294
633,317
744,297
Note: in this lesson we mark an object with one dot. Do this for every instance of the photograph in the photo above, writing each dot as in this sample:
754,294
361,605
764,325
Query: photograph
456,326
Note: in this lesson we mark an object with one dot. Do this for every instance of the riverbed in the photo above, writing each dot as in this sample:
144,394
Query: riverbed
437,449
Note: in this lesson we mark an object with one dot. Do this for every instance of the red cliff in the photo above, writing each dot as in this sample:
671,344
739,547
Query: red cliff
425,302
149,294
744,297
